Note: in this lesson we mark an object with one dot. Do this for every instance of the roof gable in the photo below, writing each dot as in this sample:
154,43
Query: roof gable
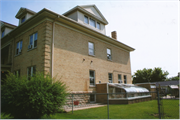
89,9
22,11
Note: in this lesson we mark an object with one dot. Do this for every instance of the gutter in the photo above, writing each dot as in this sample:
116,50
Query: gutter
52,46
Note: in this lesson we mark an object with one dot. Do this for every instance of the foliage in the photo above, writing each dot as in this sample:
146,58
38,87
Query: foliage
142,110
149,75
32,98
6,116
173,78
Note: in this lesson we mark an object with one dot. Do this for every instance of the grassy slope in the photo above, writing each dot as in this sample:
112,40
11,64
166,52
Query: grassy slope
143,110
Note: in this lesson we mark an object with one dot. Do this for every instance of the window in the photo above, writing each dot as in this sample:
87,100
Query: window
92,97
108,54
125,79
86,19
18,47
33,41
30,71
110,78
17,73
91,48
22,19
92,77
119,79
98,25
2,34
92,22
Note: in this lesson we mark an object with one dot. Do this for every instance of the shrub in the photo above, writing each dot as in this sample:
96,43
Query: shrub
32,98
6,116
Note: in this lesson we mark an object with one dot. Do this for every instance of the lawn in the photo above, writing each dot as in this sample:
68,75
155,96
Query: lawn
143,110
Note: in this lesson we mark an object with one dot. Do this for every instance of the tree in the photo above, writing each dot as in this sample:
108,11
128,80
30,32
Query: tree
32,98
149,75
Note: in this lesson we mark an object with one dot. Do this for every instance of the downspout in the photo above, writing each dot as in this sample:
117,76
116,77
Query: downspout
52,46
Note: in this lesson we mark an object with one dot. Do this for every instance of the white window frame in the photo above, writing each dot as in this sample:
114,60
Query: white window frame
90,20
89,49
125,80
120,78
110,80
91,78
99,25
87,19
109,56
18,48
31,73
33,39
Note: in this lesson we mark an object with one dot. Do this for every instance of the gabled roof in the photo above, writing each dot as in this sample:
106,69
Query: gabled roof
91,10
5,24
22,11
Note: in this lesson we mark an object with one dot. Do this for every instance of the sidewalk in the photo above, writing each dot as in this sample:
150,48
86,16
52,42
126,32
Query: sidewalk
83,107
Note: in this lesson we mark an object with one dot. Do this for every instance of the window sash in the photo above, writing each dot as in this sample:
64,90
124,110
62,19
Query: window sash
110,78
108,54
98,26
92,77
91,48
23,19
33,40
2,35
86,19
30,71
125,79
92,22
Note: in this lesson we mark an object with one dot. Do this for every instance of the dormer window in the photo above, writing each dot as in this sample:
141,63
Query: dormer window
92,22
22,19
86,20
2,34
98,25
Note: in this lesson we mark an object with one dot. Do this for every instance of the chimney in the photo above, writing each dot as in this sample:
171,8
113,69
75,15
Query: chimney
114,35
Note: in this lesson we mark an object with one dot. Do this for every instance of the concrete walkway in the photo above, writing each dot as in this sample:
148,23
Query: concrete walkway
84,107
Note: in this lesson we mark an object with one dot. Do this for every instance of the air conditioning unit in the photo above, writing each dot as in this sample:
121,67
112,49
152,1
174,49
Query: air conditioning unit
29,46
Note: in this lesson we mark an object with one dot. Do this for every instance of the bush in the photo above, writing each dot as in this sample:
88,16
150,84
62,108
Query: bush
6,116
33,98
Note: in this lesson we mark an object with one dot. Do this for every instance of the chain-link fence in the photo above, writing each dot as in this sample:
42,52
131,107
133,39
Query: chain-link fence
89,100
168,103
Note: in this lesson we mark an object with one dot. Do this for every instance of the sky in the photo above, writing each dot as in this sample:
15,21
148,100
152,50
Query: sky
149,26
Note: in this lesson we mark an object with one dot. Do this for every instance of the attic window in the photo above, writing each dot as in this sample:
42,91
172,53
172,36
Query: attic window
2,34
92,22
23,19
86,19
98,25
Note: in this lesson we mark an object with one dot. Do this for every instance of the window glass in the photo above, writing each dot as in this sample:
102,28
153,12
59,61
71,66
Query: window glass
125,79
21,45
109,54
92,23
92,98
92,77
31,39
91,48
30,71
110,78
2,35
119,79
17,48
98,25
86,19
23,19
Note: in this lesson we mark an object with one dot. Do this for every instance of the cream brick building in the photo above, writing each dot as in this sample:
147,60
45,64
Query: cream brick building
73,46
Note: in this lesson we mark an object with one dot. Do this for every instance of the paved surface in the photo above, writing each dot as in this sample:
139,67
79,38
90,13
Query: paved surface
83,107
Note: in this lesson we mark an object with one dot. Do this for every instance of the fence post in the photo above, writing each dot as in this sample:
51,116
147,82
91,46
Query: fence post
72,102
158,103
108,104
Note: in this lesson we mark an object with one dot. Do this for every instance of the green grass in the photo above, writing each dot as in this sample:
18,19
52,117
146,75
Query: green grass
143,110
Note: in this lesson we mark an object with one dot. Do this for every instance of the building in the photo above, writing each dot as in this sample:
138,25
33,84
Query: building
73,47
